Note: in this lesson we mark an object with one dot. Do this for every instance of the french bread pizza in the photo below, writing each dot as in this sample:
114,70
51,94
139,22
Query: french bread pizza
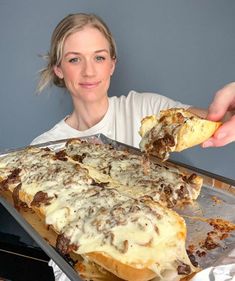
175,129
131,236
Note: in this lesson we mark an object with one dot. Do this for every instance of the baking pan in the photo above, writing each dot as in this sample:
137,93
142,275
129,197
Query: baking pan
216,201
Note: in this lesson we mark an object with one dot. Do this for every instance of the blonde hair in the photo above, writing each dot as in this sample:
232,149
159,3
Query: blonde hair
66,27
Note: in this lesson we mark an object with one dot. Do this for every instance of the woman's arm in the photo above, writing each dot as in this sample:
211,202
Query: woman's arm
198,111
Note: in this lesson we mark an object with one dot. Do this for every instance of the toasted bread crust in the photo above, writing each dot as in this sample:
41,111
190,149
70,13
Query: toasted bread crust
89,270
121,270
194,132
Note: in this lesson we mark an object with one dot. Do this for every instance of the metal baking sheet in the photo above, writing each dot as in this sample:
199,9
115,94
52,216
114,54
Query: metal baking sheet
217,200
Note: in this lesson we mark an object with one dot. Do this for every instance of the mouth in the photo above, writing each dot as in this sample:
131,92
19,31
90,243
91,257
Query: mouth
89,85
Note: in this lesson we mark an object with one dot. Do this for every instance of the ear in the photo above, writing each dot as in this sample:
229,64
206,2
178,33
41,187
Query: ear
58,72
113,65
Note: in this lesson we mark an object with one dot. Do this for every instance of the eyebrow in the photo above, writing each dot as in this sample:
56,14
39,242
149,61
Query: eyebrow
77,53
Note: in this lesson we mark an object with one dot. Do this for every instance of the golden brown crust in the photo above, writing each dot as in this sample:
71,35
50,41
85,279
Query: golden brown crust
121,270
89,270
194,132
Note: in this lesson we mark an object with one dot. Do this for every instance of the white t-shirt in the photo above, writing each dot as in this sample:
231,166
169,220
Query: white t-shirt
121,121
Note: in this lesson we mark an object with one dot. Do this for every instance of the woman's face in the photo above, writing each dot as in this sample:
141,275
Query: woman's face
86,65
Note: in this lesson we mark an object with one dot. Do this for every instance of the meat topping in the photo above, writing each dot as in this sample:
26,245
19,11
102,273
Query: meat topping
184,269
16,199
64,246
41,197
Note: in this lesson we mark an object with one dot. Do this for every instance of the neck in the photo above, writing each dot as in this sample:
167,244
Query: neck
86,116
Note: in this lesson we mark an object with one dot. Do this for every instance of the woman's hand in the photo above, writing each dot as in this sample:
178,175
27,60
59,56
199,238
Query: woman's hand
222,109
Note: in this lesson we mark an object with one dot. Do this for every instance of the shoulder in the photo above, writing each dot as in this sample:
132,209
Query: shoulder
146,103
143,99
156,101
136,96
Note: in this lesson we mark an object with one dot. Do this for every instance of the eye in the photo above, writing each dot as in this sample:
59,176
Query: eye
99,58
74,60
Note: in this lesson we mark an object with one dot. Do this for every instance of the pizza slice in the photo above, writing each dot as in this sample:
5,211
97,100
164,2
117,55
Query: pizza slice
175,130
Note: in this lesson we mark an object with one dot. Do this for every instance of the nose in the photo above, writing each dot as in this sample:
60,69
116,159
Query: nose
88,68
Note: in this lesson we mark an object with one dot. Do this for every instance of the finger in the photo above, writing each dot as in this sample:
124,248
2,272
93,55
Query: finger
212,142
220,105
224,135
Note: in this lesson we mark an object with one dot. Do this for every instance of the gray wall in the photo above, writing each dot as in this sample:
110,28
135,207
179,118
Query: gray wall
183,49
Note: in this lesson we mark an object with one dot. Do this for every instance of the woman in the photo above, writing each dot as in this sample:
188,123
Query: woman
82,59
